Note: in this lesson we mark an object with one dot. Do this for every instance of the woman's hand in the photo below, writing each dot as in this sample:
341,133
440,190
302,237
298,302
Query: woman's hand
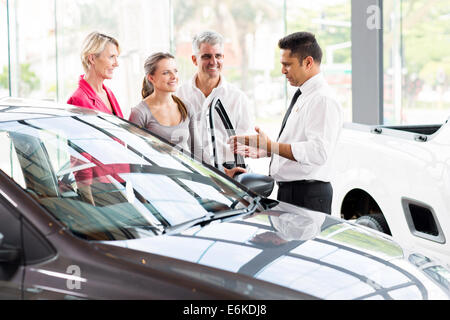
232,172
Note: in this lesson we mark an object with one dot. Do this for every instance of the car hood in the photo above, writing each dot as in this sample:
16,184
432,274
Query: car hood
305,251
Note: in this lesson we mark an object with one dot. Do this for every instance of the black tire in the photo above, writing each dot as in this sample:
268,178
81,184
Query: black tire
374,221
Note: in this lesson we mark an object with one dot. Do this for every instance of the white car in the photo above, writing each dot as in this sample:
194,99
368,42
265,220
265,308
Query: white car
397,179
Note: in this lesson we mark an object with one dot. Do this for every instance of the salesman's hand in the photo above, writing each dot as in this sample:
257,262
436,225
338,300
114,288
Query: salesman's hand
253,146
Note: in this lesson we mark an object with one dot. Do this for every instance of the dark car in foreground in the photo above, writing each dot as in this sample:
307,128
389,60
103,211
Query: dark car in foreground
93,207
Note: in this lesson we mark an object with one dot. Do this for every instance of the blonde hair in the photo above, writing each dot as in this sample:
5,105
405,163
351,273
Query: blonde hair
95,43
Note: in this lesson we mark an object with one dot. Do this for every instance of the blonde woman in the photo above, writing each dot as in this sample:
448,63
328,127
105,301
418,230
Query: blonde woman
99,58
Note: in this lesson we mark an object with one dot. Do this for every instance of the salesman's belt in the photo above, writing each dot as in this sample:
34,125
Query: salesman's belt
287,183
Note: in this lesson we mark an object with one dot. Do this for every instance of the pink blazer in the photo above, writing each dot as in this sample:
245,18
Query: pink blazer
86,97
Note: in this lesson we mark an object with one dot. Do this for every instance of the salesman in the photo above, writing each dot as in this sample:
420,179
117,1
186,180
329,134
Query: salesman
301,162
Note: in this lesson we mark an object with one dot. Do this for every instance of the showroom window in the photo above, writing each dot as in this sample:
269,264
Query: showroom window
147,31
416,61
4,52
41,59
45,48
330,21
32,49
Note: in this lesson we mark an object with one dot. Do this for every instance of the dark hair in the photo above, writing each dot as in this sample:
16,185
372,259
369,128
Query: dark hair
302,45
150,65
181,107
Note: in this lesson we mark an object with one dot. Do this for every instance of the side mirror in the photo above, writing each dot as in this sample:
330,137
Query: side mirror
7,253
259,183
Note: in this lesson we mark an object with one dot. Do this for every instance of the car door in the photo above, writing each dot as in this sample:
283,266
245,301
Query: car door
11,254
214,107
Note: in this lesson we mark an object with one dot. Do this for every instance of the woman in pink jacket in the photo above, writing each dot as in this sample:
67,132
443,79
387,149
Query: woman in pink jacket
99,58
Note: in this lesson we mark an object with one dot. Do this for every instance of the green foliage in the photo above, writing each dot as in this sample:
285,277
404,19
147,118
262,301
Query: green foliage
28,80
313,20
185,67
95,13
235,20
426,40
425,31
276,72
4,82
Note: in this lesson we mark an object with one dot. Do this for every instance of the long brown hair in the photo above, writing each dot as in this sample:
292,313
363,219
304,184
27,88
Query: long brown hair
150,66
181,107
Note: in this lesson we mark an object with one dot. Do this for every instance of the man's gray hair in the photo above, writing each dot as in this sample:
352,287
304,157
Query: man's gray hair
210,37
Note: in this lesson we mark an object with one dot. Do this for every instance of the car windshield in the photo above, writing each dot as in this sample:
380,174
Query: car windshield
106,179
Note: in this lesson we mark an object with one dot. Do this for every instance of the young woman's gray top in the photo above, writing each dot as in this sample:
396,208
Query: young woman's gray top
184,134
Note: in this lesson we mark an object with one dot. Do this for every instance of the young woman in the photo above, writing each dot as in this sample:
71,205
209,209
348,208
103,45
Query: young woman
163,113
160,111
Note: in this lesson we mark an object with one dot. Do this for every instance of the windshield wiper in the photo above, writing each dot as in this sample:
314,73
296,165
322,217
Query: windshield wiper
223,216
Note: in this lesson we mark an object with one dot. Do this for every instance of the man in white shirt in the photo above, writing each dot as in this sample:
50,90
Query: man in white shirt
301,156
208,83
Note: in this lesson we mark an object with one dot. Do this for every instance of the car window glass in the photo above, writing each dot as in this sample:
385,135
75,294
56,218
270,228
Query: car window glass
87,138
9,163
163,159
109,180
59,151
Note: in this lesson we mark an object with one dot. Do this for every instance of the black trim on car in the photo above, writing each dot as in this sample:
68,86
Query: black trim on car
422,220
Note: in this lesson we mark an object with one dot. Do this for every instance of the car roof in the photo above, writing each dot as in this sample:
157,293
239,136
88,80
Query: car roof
13,109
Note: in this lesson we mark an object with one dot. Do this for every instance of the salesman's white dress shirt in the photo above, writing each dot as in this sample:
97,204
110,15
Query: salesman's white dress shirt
312,130
235,103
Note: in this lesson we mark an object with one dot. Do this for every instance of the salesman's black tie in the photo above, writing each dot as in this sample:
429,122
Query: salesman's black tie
288,112
286,116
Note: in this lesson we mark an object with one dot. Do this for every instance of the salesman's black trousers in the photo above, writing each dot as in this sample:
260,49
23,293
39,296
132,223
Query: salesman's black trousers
310,194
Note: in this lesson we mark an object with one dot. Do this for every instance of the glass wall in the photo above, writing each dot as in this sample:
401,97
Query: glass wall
4,52
45,45
32,49
140,26
330,21
46,38
416,61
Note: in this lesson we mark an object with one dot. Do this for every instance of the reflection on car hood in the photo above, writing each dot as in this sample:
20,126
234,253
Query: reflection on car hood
305,251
